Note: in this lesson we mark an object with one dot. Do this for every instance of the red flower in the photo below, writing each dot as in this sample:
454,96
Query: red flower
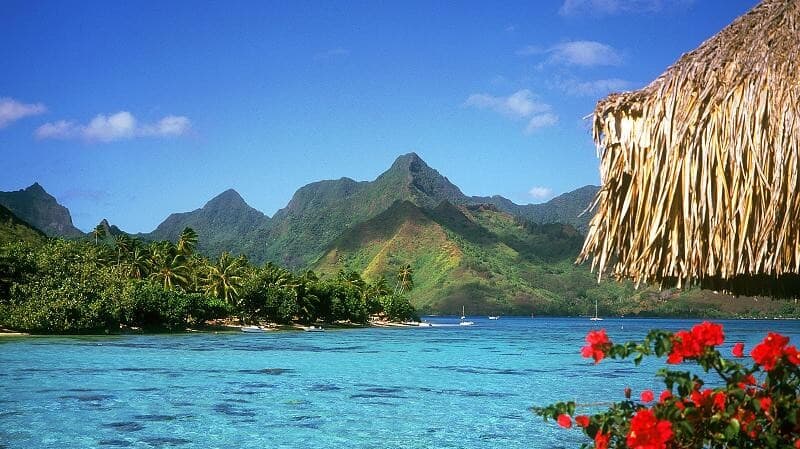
792,355
597,345
564,421
691,344
738,350
768,352
684,345
765,404
582,420
649,432
700,398
647,396
797,444
719,400
666,394
708,334
601,440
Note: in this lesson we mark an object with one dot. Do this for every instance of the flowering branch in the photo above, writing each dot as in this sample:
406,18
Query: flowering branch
742,413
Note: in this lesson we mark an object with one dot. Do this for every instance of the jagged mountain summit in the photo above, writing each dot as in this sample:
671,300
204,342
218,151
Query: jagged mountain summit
320,212
41,210
222,224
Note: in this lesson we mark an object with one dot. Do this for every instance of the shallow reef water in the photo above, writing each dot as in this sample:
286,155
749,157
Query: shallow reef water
444,386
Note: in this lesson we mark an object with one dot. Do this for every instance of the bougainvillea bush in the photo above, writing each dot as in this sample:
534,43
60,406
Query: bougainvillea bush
755,402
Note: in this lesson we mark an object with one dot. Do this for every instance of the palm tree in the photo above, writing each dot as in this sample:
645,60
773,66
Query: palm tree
379,287
171,272
224,279
139,263
353,279
123,244
168,265
187,241
98,232
405,280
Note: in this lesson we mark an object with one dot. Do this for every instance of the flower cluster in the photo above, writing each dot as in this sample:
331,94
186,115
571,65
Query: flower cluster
769,352
597,343
691,344
749,407
649,432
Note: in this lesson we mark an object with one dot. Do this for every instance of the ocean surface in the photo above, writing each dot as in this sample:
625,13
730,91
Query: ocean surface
437,387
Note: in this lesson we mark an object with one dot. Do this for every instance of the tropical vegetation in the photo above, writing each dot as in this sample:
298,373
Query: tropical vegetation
92,286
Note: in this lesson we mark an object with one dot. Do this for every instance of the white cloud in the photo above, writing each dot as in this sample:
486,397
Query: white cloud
608,7
121,125
337,52
540,193
118,126
12,110
576,53
171,125
584,53
519,105
61,129
541,121
596,88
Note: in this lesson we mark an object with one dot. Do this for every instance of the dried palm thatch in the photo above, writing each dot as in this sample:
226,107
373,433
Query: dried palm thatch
700,168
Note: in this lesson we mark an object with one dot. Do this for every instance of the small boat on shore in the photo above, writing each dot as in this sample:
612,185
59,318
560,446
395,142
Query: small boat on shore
314,329
494,317
253,329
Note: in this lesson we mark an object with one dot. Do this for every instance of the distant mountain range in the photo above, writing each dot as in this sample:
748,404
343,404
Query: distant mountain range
487,254
320,212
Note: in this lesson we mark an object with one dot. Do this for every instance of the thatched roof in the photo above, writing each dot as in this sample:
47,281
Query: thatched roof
700,168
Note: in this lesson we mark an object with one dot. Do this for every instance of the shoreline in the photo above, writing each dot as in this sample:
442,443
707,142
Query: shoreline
378,324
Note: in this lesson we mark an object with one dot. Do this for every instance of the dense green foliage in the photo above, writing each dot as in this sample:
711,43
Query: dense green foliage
60,286
13,229
491,262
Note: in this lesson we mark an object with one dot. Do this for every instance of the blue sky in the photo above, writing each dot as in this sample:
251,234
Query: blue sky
133,110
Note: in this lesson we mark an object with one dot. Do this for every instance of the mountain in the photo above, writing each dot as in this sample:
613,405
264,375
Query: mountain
476,256
222,224
111,231
319,212
37,207
567,208
13,229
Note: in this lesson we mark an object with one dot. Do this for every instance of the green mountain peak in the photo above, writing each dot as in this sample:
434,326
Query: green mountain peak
41,210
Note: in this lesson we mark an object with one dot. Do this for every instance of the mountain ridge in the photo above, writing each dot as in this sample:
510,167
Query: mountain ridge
319,212
41,210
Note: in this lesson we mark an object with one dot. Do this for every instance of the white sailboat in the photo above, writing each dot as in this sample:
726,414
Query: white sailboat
596,317
463,321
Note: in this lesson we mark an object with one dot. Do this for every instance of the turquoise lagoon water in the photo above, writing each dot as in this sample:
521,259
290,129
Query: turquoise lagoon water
437,387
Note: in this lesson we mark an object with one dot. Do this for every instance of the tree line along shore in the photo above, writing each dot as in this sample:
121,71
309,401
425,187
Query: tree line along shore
59,286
